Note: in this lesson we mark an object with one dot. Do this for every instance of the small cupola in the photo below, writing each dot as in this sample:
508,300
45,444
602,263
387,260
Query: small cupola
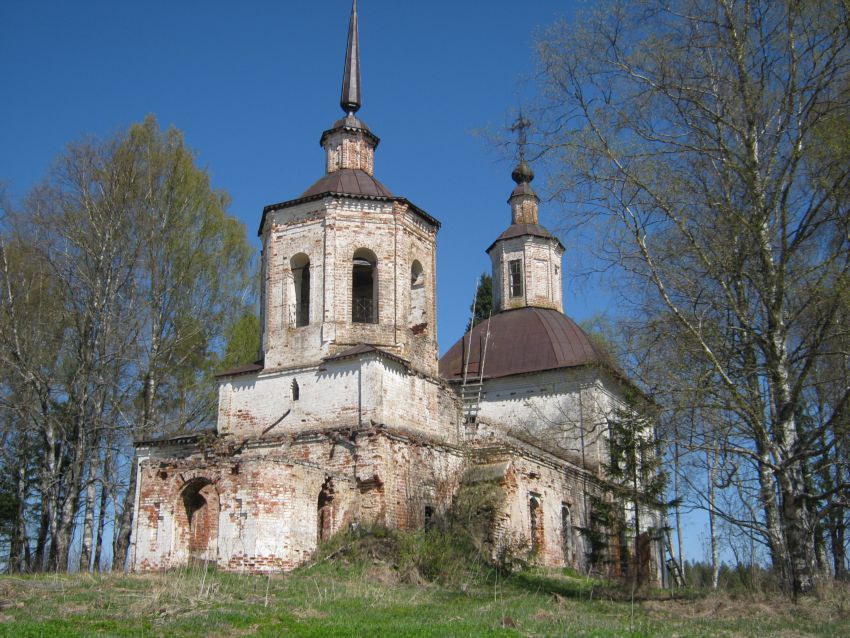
349,144
523,200
526,257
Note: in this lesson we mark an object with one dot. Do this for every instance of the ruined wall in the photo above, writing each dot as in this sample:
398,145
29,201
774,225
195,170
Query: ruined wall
269,502
298,231
348,149
424,476
267,517
557,490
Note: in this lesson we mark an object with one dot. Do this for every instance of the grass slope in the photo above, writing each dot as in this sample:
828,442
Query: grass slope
371,596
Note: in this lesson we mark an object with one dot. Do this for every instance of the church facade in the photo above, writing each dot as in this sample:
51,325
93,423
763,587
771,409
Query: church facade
350,417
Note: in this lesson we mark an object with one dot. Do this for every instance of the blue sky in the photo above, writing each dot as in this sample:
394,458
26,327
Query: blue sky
253,84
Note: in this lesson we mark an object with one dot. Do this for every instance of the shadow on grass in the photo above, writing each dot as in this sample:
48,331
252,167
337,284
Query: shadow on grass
570,584
566,584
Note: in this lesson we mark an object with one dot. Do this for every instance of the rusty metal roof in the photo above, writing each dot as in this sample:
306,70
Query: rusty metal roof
518,230
350,181
522,341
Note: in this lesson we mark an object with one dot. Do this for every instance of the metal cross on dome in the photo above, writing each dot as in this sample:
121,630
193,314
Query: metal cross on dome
521,127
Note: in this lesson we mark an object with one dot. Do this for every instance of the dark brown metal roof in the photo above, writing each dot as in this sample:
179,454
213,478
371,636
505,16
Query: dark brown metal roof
244,369
518,230
348,181
352,124
522,341
523,188
294,202
365,348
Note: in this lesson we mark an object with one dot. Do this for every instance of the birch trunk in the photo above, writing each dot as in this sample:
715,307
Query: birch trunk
86,549
18,541
101,516
715,562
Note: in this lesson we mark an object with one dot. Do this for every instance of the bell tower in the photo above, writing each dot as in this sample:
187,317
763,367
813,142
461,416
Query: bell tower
348,262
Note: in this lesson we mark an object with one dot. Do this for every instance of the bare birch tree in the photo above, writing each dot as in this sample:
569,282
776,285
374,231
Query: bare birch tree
119,276
684,131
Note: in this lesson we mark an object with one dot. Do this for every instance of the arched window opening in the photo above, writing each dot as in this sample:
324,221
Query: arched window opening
300,266
364,287
296,391
567,533
200,504
325,512
535,509
417,295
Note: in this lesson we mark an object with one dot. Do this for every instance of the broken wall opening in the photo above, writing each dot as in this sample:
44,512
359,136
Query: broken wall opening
535,510
198,515
325,512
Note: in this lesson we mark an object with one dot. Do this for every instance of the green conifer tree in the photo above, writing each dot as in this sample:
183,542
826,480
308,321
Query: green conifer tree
482,306
631,502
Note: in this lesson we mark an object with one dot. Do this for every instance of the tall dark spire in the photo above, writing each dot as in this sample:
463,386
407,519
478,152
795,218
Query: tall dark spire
350,99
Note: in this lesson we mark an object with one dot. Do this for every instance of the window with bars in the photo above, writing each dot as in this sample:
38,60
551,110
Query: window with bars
364,287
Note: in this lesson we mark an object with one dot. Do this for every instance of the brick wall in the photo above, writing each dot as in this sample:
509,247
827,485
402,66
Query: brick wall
541,269
564,410
339,393
328,233
533,475
270,512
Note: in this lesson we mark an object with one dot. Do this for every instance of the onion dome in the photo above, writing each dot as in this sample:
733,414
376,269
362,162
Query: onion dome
522,173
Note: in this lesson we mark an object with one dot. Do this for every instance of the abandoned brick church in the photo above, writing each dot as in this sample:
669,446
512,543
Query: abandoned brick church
350,417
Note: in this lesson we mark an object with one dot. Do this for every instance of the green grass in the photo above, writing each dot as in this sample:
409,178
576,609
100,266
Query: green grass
368,595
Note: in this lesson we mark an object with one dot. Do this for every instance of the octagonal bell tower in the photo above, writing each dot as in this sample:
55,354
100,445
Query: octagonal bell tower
348,263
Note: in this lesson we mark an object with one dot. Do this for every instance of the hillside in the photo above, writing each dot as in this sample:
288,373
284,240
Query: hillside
390,587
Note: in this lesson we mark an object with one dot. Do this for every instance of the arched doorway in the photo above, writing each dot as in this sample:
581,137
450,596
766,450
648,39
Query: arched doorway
200,508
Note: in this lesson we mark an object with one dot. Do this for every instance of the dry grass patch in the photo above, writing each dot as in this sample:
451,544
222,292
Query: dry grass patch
743,613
